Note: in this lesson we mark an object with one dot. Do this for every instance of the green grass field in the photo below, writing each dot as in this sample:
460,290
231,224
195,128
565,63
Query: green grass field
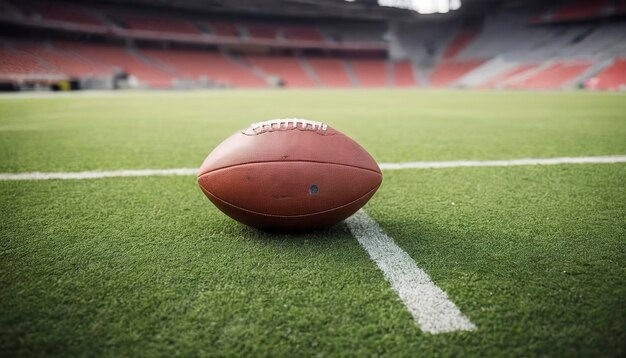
535,256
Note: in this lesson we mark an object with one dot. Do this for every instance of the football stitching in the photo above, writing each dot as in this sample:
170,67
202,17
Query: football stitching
285,124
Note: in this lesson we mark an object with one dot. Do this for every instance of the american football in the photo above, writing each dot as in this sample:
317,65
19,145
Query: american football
289,174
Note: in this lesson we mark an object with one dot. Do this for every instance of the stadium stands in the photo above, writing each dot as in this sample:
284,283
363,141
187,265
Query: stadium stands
117,57
287,68
331,72
371,73
553,77
63,62
160,24
580,9
66,13
459,43
160,68
402,74
213,66
262,31
611,78
303,33
221,28
447,73
505,53
501,79
14,62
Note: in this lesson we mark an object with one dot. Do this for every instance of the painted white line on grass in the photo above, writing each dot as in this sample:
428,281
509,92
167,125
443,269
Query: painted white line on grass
427,303
384,166
505,163
99,174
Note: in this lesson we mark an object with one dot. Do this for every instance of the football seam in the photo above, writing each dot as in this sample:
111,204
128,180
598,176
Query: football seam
292,161
290,216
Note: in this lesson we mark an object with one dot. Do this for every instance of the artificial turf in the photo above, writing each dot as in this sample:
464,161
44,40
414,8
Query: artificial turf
169,130
534,256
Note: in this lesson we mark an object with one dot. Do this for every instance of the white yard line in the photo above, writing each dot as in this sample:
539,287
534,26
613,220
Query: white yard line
505,163
427,303
384,166
99,174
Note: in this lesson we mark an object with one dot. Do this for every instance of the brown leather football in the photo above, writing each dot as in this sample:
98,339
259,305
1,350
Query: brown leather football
289,174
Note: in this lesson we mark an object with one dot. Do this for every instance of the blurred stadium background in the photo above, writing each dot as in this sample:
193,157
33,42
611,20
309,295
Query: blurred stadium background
180,44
